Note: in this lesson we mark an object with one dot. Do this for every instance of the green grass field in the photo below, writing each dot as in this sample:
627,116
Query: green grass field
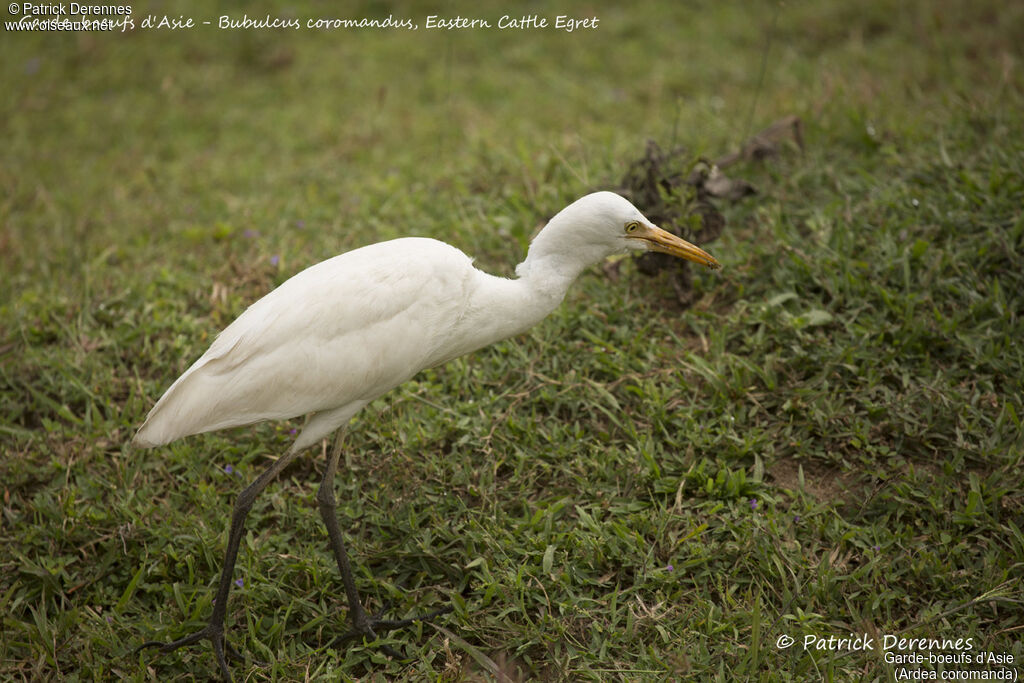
828,442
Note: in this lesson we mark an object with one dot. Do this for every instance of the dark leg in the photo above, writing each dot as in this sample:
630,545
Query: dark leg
214,630
362,624
328,510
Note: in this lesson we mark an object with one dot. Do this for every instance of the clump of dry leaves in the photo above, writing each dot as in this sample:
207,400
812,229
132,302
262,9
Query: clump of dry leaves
678,193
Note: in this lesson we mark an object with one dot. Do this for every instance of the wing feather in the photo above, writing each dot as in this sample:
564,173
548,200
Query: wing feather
344,330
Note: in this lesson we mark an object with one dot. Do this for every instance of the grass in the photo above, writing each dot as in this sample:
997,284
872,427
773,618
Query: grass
828,442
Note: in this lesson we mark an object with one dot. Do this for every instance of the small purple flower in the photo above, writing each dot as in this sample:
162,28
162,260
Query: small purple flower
293,431
300,223
796,519
110,620
877,548
669,568
239,582
251,234
275,259
228,469
753,503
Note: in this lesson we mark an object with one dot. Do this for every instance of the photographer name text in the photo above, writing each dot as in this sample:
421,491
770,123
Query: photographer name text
76,16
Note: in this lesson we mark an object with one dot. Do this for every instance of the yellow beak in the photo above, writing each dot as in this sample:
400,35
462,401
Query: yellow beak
667,243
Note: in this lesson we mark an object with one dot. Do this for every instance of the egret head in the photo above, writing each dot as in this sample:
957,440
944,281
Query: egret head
602,224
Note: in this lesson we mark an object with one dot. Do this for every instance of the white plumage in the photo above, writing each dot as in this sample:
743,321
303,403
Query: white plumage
348,329
341,333
336,334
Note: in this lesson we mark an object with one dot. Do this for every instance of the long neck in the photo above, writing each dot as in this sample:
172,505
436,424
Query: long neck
554,261
545,276
499,308
557,256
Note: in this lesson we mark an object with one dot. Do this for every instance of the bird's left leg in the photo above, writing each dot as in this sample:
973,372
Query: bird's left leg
214,630
363,624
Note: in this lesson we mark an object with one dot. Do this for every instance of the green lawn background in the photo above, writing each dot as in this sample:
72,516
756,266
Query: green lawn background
827,442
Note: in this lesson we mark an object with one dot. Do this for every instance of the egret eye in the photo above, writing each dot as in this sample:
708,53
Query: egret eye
632,226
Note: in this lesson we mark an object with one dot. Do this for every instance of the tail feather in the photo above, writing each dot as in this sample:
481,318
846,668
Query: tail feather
165,423
187,406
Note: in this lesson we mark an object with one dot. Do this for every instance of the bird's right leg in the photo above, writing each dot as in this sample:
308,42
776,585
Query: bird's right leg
363,624
214,630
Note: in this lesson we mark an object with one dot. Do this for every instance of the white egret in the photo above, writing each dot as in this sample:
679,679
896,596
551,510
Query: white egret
342,332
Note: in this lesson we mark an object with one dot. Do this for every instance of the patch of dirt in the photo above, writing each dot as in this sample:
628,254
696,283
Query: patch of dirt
820,481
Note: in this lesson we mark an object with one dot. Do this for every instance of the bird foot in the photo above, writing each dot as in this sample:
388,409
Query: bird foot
367,627
213,632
